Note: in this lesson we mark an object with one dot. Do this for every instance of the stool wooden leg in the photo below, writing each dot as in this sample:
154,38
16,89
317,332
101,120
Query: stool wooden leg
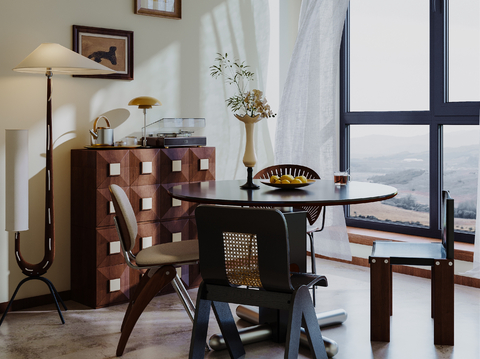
443,301
380,299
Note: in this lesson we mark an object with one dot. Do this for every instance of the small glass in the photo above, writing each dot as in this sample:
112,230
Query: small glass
131,140
340,178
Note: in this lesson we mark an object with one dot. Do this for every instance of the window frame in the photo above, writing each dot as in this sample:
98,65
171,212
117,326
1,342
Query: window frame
440,113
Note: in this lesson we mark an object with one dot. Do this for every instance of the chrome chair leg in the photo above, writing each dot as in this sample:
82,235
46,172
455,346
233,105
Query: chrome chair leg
184,297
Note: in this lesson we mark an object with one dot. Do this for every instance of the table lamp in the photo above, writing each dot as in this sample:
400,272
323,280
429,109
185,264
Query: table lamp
144,102
48,59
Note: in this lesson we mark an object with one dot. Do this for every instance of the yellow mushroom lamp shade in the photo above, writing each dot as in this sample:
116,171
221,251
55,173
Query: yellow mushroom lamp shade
144,102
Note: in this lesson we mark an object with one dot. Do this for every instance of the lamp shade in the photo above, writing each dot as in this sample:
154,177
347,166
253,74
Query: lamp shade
16,180
145,102
60,60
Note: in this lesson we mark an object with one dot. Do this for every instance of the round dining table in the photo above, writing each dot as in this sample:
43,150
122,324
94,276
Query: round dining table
318,193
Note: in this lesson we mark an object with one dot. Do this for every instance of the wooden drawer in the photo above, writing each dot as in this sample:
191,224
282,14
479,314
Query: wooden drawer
144,166
170,207
113,285
112,167
175,230
174,165
202,164
145,202
104,207
148,235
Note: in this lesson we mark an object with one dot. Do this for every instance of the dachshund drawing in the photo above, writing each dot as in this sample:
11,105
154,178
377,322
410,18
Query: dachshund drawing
97,56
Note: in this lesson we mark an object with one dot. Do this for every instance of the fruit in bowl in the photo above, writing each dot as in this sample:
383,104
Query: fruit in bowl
288,179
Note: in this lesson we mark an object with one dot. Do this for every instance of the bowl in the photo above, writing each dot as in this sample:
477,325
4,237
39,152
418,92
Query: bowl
287,185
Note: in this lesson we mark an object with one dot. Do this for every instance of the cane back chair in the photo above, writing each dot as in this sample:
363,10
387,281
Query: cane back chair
244,261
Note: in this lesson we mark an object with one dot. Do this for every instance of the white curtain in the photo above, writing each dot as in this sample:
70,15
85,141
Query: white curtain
307,121
475,271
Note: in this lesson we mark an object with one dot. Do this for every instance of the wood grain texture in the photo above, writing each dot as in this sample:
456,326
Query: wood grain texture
93,227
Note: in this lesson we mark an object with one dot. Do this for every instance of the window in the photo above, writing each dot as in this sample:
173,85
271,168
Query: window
410,92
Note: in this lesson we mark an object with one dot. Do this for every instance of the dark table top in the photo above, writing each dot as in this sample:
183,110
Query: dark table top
322,192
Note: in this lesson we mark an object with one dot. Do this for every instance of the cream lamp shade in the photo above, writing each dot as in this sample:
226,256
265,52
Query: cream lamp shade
16,180
60,60
145,102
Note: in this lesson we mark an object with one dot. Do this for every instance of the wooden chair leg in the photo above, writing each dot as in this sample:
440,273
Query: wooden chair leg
229,329
153,285
380,299
302,307
143,281
443,302
200,325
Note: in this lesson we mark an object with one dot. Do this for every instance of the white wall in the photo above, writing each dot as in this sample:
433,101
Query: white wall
172,58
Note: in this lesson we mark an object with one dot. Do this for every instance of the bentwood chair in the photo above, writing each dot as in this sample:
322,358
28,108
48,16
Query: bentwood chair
438,256
159,261
245,261
313,212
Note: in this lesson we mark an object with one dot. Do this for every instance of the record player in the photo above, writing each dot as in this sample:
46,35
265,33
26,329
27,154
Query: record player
176,132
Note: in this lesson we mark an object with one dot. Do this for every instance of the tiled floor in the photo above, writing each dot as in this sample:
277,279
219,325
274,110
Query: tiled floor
163,331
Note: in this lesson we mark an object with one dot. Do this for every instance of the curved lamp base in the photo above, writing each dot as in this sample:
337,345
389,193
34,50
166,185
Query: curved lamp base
52,290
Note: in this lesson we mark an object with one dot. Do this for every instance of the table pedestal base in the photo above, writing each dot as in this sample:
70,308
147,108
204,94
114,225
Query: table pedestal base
261,332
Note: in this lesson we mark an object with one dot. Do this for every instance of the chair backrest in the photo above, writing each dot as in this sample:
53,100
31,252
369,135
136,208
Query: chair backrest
125,216
243,246
313,212
447,224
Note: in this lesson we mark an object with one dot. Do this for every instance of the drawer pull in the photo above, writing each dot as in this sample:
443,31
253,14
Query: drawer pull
147,168
204,164
114,169
177,166
176,202
114,285
176,237
147,242
114,247
111,209
147,204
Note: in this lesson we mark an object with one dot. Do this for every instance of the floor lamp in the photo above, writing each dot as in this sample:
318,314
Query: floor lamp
47,59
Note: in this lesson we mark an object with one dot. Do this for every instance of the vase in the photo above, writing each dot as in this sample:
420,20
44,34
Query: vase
249,158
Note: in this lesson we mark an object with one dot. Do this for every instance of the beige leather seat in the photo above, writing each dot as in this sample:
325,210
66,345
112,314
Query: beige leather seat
159,261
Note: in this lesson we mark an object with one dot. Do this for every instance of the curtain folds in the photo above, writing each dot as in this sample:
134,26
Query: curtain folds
475,271
307,130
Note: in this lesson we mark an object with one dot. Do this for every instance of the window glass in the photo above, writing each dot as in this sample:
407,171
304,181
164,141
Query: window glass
389,55
464,50
460,172
397,156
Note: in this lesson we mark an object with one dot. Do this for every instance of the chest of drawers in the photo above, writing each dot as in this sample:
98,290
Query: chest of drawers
99,275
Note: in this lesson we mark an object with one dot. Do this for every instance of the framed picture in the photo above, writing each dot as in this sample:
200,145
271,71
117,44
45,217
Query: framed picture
163,8
112,48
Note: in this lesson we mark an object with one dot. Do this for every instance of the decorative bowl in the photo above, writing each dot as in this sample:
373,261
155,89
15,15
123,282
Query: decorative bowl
287,185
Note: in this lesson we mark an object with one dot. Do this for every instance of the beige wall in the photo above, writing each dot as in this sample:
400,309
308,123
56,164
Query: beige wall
172,58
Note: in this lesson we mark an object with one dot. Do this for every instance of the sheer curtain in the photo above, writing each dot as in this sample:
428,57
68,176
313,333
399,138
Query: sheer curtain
307,118
475,271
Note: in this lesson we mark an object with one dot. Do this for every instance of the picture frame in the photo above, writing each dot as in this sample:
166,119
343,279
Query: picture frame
109,47
171,9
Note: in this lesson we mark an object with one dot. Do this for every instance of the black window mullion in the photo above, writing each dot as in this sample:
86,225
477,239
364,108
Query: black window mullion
441,113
